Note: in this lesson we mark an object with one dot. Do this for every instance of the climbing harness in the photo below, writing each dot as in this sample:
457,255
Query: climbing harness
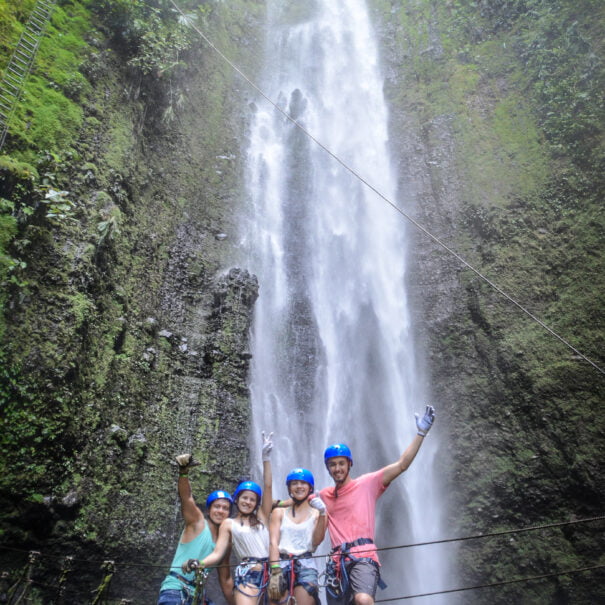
336,574
199,595
193,590
293,569
245,568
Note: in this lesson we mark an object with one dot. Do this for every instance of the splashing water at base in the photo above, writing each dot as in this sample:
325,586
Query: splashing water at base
333,357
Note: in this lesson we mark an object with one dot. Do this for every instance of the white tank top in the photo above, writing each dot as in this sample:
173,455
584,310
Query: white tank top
296,538
249,542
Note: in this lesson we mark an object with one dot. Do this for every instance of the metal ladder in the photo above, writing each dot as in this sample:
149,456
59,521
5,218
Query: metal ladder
21,62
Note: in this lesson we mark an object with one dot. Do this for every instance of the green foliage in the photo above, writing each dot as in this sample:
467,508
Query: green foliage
59,206
507,99
149,32
109,227
559,44
26,425
8,264
46,116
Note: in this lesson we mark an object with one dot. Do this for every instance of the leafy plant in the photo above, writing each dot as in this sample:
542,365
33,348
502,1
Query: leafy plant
110,226
60,207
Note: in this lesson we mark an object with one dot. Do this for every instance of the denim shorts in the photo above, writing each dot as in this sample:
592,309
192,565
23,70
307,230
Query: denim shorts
174,597
303,576
245,575
177,597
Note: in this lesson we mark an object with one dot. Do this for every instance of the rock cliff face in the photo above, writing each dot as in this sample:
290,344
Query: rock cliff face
125,332
127,341
485,171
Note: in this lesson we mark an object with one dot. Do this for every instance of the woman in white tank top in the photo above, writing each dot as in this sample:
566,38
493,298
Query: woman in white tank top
295,532
247,534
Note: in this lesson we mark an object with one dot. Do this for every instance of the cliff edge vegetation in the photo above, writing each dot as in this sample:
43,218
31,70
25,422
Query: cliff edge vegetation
124,324
498,119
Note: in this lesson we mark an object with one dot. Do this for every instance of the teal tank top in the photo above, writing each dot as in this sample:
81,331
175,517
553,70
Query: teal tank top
201,546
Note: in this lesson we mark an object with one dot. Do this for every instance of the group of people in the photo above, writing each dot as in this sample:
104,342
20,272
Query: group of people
273,541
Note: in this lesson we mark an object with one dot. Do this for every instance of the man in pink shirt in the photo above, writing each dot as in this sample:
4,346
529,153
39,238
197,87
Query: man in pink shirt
354,574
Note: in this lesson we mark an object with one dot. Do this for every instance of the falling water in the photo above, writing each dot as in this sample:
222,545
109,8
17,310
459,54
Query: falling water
333,357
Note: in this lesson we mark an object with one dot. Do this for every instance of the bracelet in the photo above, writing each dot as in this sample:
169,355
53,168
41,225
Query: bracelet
275,566
421,434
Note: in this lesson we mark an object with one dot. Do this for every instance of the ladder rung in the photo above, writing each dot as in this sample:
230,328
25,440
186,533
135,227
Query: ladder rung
9,85
28,45
11,68
17,60
9,78
40,24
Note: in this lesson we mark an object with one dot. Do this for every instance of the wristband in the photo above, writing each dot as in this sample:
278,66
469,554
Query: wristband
182,474
421,434
275,565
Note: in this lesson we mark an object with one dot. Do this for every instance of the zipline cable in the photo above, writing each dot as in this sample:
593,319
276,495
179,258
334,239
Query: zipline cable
352,171
495,584
504,532
494,534
104,584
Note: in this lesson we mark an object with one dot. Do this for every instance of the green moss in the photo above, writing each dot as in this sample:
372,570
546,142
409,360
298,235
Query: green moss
82,308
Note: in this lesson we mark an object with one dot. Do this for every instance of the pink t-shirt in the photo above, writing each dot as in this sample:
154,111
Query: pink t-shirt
352,514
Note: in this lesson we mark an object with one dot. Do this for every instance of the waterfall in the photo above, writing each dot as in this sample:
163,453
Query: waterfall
333,357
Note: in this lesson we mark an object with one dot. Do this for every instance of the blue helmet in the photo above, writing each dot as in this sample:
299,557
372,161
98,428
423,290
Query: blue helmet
219,494
338,449
248,485
301,474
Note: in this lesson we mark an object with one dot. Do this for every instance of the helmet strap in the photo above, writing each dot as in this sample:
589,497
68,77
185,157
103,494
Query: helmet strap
296,502
243,516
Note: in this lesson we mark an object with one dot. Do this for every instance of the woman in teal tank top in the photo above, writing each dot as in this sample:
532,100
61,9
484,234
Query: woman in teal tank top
197,539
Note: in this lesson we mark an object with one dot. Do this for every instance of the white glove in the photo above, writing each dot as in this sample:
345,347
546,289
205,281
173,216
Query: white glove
186,461
267,446
425,423
319,504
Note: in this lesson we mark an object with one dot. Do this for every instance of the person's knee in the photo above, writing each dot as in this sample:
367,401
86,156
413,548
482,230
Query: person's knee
361,598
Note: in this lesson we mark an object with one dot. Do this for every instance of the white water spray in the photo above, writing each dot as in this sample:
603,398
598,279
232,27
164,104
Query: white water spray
333,357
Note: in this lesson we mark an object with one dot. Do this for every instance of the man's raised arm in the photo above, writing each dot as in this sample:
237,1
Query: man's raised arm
423,426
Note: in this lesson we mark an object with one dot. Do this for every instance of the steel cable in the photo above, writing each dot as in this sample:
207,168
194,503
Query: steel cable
393,205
